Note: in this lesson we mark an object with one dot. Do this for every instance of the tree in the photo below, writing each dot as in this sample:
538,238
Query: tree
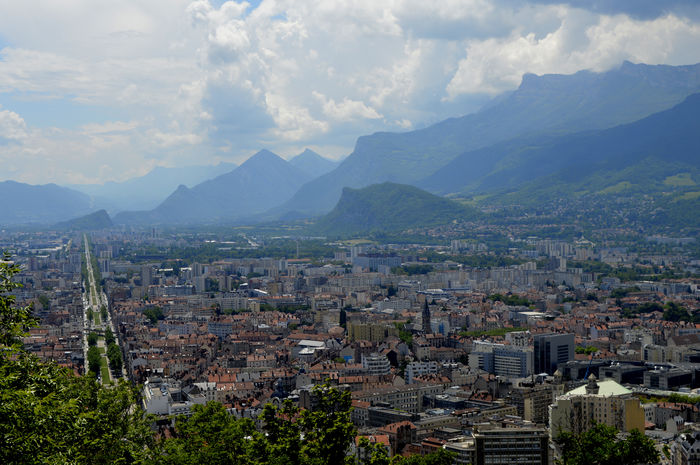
14,321
319,436
94,360
212,435
49,415
675,312
44,301
439,457
115,357
343,320
109,337
90,316
103,313
600,446
154,314
92,339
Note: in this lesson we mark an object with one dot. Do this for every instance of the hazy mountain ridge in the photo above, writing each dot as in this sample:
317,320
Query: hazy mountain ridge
261,182
91,222
40,204
390,207
554,104
670,136
151,189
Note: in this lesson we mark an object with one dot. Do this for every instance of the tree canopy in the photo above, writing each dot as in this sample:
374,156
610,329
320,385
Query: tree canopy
601,446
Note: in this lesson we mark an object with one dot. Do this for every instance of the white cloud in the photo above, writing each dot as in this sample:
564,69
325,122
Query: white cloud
199,82
345,110
12,126
582,41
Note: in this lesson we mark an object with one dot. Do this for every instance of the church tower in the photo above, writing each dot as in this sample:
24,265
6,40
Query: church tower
426,318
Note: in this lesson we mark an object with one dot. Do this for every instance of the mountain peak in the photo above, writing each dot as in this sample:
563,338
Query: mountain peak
262,158
312,163
308,153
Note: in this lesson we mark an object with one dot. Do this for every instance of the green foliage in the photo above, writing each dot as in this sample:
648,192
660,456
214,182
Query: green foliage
90,315
94,359
491,332
405,335
439,457
623,292
600,446
683,399
412,270
92,339
586,350
212,435
389,207
154,314
14,321
343,319
51,416
109,337
675,312
321,436
115,357
646,307
510,299
44,301
103,313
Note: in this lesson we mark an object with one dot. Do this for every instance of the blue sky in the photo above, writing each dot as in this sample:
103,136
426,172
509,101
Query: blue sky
92,94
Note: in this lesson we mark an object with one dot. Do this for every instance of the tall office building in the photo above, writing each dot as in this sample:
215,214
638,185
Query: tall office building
507,446
551,350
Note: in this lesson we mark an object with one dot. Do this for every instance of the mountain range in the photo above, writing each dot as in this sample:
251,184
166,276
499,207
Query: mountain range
147,191
260,183
630,130
40,204
668,140
542,105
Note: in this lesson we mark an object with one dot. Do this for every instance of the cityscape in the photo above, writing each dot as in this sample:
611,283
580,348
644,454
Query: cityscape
387,233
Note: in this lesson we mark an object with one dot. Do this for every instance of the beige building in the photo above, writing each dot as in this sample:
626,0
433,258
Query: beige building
604,402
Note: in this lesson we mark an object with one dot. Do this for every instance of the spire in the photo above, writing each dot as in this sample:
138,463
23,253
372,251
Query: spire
426,318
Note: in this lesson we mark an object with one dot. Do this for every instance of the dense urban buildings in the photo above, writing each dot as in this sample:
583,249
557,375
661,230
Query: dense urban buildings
491,363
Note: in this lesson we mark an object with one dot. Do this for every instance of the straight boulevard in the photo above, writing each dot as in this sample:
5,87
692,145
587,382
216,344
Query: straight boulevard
95,320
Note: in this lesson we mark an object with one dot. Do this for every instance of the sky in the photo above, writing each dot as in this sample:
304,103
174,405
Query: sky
98,91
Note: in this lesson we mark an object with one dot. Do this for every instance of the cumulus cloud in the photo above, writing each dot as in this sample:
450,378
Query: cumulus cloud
197,81
12,126
582,41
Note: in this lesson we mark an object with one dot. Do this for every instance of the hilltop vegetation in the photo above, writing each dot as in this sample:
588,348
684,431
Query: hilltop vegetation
94,221
390,207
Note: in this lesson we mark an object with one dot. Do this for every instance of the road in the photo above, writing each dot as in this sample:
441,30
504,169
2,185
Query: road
94,301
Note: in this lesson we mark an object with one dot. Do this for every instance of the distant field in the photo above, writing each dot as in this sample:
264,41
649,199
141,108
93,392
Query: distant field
679,180
690,196
617,188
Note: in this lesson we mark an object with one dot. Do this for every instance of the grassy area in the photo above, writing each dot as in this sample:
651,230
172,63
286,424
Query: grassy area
101,349
96,317
679,180
492,332
104,370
